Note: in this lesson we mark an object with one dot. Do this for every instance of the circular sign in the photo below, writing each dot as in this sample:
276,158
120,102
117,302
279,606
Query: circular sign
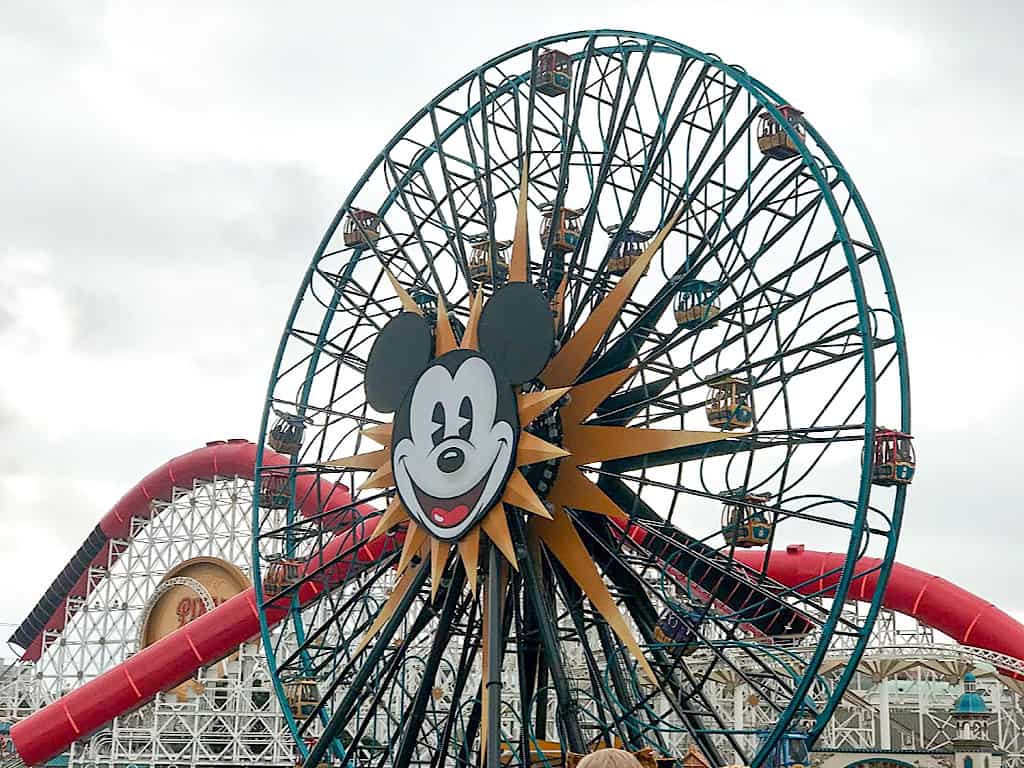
185,593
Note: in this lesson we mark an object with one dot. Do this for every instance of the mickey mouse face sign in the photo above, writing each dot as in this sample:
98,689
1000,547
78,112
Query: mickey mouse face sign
456,428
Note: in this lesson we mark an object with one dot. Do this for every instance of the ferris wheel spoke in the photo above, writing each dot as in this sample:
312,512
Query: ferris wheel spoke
627,405
669,543
467,657
488,173
779,512
446,175
643,613
417,226
684,194
651,357
319,633
616,129
733,446
719,575
668,409
626,346
341,712
442,637
553,264
579,255
568,707
854,409
746,328
436,216
573,599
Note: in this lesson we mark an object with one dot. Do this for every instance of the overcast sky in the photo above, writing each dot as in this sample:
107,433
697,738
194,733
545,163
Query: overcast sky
167,169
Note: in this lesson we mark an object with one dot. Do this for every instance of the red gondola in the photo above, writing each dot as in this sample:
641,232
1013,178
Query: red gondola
362,228
281,575
553,74
274,489
772,139
894,460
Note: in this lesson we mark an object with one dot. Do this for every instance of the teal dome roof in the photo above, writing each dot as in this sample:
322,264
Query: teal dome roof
970,701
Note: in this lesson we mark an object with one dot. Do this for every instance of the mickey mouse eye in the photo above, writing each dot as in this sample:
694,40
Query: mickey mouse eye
438,418
466,414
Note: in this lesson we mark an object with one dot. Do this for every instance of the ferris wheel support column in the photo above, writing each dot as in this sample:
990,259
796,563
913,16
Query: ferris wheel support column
494,646
884,731
567,706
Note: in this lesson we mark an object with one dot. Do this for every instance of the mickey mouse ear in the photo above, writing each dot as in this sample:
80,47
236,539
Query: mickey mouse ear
400,353
516,333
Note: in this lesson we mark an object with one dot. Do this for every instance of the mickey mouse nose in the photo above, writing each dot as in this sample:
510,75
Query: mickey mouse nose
451,460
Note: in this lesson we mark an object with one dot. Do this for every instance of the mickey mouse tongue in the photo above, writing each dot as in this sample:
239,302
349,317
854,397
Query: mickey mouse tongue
449,513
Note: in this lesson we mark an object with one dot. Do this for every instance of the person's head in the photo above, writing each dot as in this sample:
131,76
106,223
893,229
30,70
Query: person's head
609,758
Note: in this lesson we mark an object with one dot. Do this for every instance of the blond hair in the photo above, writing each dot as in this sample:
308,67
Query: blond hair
609,758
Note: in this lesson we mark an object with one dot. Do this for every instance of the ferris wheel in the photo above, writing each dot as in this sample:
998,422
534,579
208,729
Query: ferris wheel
602,326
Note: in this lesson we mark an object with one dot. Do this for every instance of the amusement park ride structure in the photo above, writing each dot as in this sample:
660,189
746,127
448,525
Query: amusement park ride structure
898,703
518,498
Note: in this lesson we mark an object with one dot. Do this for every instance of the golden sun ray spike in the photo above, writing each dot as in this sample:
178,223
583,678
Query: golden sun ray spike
519,267
566,366
408,304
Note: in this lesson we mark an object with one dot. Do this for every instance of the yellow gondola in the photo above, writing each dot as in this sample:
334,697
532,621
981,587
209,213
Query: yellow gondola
563,227
302,697
695,304
484,271
630,246
728,405
744,524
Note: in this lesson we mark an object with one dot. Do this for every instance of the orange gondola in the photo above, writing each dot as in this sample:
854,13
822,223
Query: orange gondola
281,575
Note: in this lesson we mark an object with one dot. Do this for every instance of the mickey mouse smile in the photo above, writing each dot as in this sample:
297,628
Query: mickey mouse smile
451,512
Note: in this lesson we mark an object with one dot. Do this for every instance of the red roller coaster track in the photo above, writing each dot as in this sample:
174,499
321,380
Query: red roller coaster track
930,599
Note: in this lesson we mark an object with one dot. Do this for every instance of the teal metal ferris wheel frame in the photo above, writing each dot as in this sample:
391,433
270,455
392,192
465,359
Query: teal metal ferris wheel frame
769,100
